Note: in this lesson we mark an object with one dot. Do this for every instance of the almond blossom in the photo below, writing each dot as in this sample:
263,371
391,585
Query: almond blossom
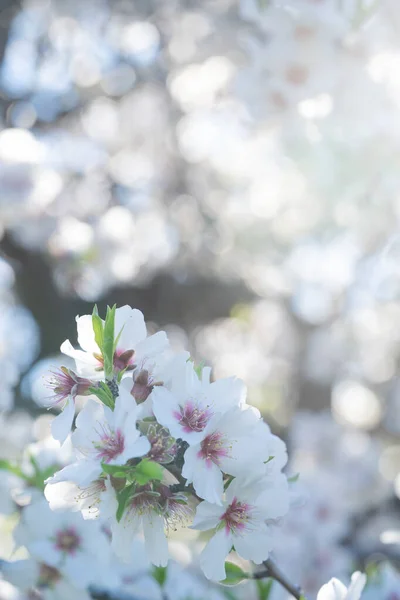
233,443
65,542
67,386
187,408
243,521
151,509
101,436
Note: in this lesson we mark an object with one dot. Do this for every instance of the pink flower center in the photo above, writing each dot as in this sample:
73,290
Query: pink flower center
67,540
111,445
192,417
236,516
123,359
213,448
65,383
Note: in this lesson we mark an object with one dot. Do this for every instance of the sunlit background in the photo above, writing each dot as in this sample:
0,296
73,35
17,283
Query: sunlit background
232,169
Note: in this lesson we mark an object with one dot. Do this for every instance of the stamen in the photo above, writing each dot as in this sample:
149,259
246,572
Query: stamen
236,517
193,417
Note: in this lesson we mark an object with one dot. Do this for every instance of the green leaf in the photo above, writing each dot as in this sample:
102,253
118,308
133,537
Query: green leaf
103,393
293,478
228,482
264,588
114,469
122,498
117,339
108,342
269,460
199,369
12,468
98,328
120,375
234,574
160,575
147,470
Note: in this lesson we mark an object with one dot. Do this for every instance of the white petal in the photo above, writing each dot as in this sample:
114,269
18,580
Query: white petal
122,536
207,516
21,573
212,559
89,417
274,500
131,322
39,520
155,539
255,545
134,449
45,551
151,347
86,334
86,364
62,423
333,590
165,405
125,401
227,393
81,569
205,475
82,473
61,496
358,581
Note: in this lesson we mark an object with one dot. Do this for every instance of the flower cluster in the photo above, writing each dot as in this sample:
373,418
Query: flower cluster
155,437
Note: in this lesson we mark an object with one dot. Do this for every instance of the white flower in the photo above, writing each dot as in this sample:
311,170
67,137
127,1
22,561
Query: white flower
157,372
98,497
191,403
134,349
64,541
241,522
101,436
32,576
151,509
66,386
234,443
335,590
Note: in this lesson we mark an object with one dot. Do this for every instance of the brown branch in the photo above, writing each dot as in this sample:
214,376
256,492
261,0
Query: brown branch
273,571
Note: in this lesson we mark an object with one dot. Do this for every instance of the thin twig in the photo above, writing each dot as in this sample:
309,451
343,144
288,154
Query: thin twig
273,571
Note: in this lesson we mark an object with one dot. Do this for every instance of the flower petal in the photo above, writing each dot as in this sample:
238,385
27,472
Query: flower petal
205,476
212,559
62,423
155,539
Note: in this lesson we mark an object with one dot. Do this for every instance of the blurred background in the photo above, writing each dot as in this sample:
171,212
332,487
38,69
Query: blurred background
230,168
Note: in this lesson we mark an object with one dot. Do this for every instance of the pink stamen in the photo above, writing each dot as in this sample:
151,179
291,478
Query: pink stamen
67,540
111,445
213,448
65,383
236,516
192,417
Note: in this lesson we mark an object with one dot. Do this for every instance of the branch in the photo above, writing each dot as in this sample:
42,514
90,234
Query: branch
273,571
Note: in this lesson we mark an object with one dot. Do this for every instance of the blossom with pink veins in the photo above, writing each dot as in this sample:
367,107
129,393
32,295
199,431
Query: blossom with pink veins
191,403
66,386
66,542
103,436
244,520
235,443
